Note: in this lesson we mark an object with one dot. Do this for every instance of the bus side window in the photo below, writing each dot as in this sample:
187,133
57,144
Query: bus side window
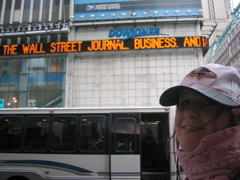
10,133
64,132
125,134
36,133
92,133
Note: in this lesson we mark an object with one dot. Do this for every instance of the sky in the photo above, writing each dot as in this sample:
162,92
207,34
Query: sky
235,3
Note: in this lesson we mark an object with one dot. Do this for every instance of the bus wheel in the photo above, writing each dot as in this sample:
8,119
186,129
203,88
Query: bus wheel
17,178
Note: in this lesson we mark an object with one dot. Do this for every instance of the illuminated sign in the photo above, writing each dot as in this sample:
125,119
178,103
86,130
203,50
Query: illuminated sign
106,45
130,33
92,10
1,103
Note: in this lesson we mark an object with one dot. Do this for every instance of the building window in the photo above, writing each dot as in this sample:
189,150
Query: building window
33,82
17,11
7,12
46,5
36,8
55,10
26,11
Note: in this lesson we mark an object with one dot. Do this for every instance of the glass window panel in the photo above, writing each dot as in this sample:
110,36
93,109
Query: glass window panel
60,81
92,133
32,82
17,11
61,65
59,99
1,68
18,4
4,96
12,101
51,82
36,133
4,83
7,12
32,96
54,65
41,99
26,11
57,65
14,81
29,77
15,66
65,13
23,99
125,134
64,130
2,105
24,66
54,99
46,4
41,82
55,11
37,65
36,8
1,2
10,132
6,67
5,79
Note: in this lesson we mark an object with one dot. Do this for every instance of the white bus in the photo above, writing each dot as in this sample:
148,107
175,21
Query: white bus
86,144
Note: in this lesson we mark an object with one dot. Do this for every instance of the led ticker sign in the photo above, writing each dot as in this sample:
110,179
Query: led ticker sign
105,45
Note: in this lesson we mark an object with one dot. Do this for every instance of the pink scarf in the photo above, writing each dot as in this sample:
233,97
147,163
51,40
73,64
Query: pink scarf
217,156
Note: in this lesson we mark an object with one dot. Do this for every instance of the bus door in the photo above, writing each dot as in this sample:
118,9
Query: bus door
154,154
125,146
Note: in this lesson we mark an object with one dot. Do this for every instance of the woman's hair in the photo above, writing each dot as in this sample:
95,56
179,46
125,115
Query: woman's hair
235,115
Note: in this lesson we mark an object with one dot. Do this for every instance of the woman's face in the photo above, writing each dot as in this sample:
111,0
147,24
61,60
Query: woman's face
198,116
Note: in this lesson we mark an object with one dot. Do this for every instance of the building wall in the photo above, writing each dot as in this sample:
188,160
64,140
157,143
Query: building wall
226,49
127,78
217,16
97,79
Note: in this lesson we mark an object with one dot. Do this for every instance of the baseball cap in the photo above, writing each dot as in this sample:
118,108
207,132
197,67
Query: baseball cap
218,82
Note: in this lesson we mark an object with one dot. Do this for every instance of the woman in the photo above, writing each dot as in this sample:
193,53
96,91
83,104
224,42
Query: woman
207,122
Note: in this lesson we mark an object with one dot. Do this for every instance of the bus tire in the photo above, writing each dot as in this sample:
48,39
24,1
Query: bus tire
17,178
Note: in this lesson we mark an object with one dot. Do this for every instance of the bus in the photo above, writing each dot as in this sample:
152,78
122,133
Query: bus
86,143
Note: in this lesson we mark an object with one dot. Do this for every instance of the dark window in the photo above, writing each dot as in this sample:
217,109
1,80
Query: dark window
7,12
45,16
125,134
64,131
55,10
65,13
1,2
10,132
36,8
36,133
26,11
92,133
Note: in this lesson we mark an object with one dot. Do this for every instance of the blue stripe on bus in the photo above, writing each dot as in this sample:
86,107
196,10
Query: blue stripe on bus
48,163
